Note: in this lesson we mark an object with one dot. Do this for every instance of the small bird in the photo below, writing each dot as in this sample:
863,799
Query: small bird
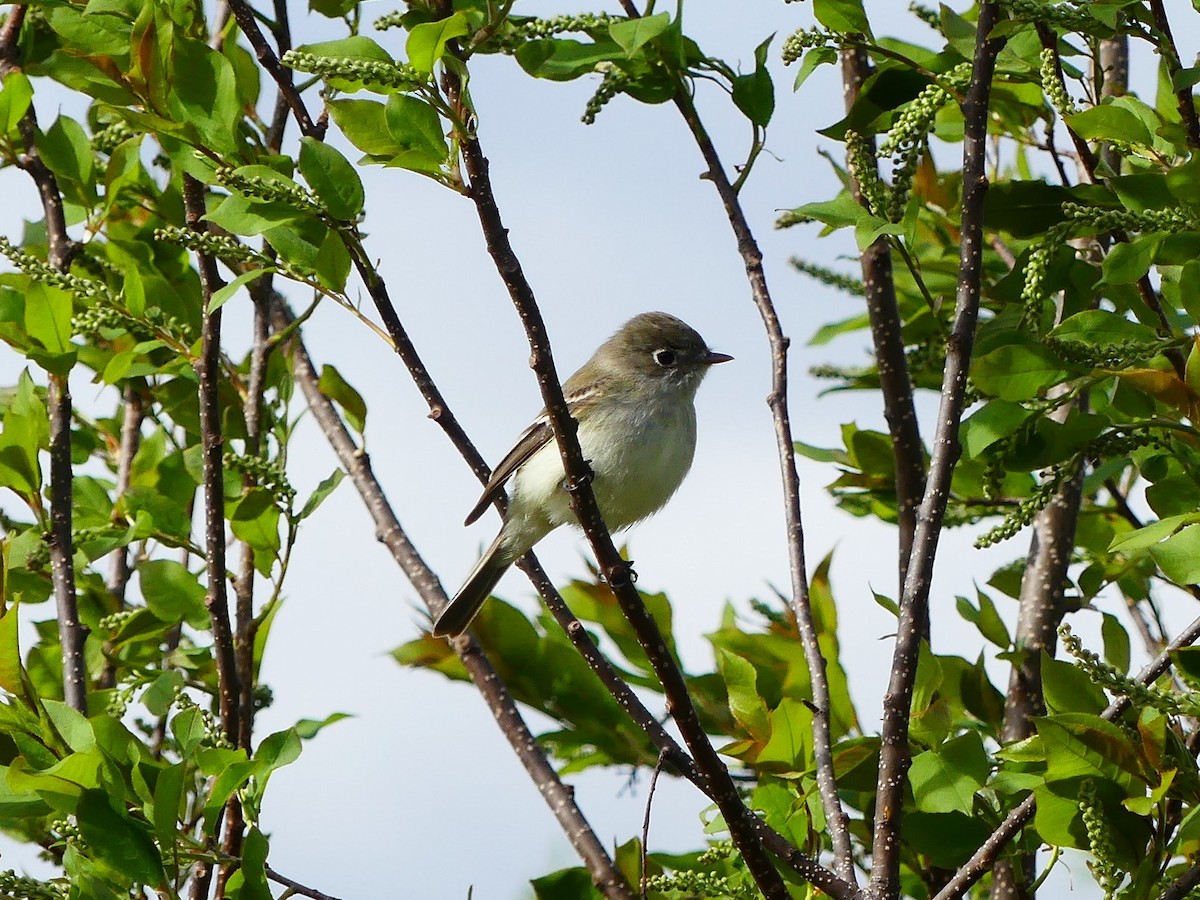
634,402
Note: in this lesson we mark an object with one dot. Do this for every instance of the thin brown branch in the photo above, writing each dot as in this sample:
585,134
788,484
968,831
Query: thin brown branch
295,887
208,369
62,566
281,75
119,570
60,250
1170,56
895,753
357,465
243,584
895,384
777,400
662,758
985,857
1182,886
281,30
615,570
212,446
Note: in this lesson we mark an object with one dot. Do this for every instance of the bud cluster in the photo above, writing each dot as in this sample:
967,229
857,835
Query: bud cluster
829,277
42,272
1052,84
522,31
214,735
613,82
1176,218
270,189
806,39
106,140
221,246
370,72
21,887
1028,508
1104,855
1061,17
267,474
1103,675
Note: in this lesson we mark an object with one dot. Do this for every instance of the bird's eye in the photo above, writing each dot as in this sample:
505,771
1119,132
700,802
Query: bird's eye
665,358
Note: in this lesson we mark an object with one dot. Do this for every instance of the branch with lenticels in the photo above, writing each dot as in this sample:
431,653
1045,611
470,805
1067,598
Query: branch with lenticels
895,753
60,250
389,531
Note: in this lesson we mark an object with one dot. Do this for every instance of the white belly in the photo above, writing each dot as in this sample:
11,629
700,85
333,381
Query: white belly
634,476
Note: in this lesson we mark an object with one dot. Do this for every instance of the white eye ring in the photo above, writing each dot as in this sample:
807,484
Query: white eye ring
665,358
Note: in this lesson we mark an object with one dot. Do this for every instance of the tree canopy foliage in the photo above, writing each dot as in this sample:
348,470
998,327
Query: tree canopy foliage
1045,288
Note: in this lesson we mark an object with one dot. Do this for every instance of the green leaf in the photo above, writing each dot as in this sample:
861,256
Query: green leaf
1100,326
172,593
1081,745
48,317
354,47
15,99
1018,371
1067,688
1116,643
995,421
427,41
842,16
1127,262
986,619
1148,535
840,212
10,651
364,125
633,34
813,59
323,490
168,791
947,778
560,59
790,746
118,840
71,725
415,126
1108,122
66,151
308,728
741,682
337,389
251,883
204,94
225,294
256,521
754,94
332,178
333,261
1179,555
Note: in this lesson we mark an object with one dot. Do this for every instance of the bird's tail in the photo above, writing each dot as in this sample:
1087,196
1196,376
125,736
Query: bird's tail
456,616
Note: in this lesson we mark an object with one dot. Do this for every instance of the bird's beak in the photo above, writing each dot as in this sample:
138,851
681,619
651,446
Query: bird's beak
714,357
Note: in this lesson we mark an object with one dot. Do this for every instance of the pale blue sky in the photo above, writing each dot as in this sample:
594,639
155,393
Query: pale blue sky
418,795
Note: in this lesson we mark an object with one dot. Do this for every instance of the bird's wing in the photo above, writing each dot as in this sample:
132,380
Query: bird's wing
533,439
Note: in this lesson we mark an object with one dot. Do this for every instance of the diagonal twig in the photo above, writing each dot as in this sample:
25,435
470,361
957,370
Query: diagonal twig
983,858
777,400
281,75
616,571
357,464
